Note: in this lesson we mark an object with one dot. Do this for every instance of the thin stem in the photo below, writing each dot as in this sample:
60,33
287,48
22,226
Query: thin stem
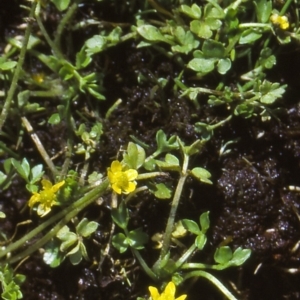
261,25
189,266
151,175
213,280
65,215
175,203
112,108
17,73
185,256
285,7
63,23
145,267
40,146
48,39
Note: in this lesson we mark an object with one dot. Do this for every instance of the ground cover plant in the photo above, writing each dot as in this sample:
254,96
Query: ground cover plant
149,149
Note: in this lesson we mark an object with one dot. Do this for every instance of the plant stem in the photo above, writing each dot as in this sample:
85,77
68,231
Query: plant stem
14,82
63,23
64,216
185,256
48,39
145,267
175,203
285,7
40,146
213,280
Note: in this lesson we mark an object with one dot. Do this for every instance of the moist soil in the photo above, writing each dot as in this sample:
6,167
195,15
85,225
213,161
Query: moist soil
250,202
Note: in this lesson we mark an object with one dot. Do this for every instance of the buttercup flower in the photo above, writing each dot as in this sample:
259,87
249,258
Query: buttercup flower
121,181
281,21
167,294
46,197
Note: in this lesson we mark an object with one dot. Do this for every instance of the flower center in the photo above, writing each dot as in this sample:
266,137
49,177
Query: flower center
122,180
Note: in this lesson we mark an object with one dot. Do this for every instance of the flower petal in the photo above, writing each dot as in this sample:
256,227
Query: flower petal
170,289
154,293
34,199
130,188
46,184
131,174
181,297
116,166
116,188
57,186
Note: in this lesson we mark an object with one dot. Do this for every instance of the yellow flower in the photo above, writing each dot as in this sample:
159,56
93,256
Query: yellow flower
167,294
121,181
46,197
281,21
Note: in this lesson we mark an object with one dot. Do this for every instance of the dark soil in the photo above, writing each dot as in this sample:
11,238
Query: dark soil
250,203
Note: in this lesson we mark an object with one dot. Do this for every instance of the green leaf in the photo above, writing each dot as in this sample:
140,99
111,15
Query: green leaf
36,173
150,33
201,174
86,228
263,10
186,40
75,256
162,191
204,221
240,256
135,156
137,238
83,251
54,119
61,5
171,163
66,72
7,65
249,36
82,59
95,44
195,148
2,177
223,255
191,226
202,65
194,11
22,168
245,110
271,92
164,145
52,256
2,215
120,215
205,130
120,242
213,49
224,65
201,29
200,241
68,238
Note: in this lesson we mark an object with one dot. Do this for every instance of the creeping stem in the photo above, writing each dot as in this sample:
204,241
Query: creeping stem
18,70
213,280
64,216
175,203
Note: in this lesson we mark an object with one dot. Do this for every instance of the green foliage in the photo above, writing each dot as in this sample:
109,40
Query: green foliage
69,244
225,258
61,5
194,228
90,139
135,238
134,158
10,283
30,175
